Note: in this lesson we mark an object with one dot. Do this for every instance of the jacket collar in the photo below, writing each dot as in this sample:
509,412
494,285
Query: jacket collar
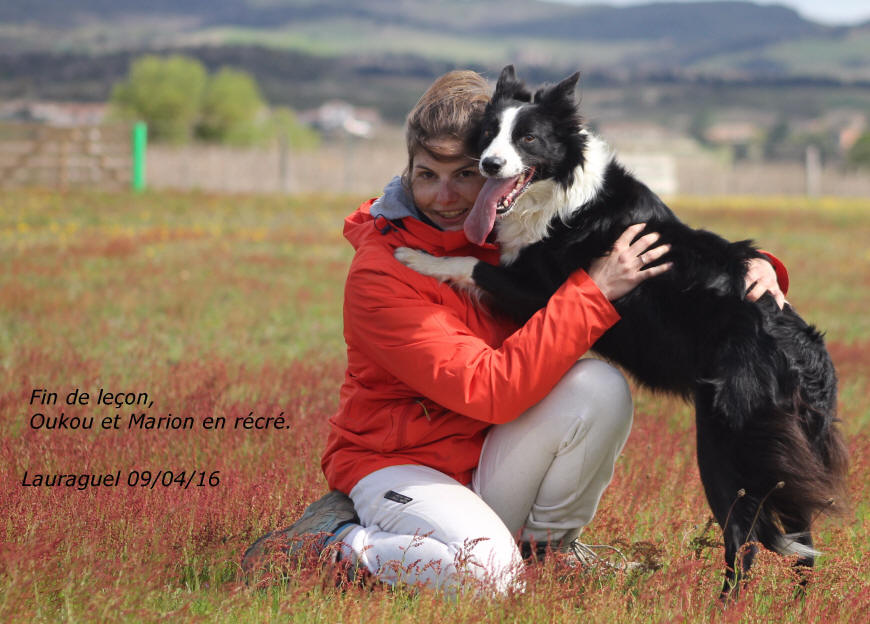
414,232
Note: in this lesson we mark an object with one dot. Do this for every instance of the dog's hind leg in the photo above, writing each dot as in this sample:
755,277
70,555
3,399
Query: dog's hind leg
718,457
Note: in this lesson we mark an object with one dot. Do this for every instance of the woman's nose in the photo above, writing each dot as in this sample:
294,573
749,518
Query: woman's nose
446,193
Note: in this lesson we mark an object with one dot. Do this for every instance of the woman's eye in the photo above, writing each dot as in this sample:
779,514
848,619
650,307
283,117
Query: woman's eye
530,138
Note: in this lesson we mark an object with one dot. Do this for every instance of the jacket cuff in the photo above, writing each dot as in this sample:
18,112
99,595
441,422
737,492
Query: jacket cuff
781,271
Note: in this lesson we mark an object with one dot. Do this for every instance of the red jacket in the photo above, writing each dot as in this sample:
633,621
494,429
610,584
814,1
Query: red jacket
429,369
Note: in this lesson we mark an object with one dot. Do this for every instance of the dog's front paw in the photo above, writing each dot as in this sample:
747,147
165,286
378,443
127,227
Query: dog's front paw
412,258
446,269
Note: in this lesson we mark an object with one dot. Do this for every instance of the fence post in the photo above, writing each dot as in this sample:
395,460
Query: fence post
140,142
813,171
283,164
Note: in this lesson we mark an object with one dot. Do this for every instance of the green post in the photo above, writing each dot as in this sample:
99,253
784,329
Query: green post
140,142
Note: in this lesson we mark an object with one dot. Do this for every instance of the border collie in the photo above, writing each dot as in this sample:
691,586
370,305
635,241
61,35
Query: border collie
764,389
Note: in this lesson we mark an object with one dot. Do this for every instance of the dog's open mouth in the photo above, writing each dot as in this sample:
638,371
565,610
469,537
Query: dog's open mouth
507,202
496,198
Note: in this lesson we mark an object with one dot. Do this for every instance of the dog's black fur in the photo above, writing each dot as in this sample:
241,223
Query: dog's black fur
762,382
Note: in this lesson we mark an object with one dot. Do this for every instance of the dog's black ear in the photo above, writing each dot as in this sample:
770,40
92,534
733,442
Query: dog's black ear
564,91
508,74
509,88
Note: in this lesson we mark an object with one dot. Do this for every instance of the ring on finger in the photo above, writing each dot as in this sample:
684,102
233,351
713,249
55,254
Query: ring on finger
640,257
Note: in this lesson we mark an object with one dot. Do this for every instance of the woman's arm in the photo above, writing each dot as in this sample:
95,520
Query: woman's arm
428,346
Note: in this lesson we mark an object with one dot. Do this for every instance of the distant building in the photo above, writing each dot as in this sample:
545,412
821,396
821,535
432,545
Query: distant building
850,131
340,117
61,114
649,150
733,133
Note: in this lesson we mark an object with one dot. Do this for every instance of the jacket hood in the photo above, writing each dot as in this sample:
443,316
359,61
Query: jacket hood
395,203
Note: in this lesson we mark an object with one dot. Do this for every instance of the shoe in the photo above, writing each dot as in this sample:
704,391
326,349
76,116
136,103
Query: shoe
578,554
587,556
325,522
533,552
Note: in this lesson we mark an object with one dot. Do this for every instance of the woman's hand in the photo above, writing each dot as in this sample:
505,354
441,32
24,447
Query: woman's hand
761,278
618,272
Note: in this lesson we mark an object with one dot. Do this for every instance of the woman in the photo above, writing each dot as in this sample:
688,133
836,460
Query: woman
462,439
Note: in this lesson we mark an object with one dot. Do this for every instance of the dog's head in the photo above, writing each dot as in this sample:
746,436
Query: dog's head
524,138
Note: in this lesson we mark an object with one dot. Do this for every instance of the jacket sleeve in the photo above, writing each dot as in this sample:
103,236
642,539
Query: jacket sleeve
781,271
428,347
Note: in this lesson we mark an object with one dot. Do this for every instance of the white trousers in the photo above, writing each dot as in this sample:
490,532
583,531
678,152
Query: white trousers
540,477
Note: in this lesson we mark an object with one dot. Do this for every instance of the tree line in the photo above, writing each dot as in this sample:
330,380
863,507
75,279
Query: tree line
180,101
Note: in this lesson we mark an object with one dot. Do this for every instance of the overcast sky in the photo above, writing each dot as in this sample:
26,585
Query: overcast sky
825,11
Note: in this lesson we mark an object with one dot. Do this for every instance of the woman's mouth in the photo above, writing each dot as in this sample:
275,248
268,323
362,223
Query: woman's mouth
451,217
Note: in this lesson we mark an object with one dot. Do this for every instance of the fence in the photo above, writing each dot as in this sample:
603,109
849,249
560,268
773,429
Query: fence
770,179
350,165
364,166
99,157
34,154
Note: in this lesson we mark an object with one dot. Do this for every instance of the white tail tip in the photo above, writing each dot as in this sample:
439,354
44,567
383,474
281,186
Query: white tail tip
788,545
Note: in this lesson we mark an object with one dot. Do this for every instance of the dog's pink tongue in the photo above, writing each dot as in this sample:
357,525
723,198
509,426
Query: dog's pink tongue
479,222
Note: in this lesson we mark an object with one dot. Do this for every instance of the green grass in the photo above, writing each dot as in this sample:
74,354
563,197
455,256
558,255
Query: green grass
221,305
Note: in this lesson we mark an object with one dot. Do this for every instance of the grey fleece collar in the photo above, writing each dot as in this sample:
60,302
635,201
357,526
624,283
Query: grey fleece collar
396,202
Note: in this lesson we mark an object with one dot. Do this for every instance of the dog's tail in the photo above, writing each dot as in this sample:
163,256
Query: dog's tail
794,434
793,475
793,456
808,454
808,448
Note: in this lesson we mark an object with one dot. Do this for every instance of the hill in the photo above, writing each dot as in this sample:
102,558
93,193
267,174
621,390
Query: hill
689,37
382,53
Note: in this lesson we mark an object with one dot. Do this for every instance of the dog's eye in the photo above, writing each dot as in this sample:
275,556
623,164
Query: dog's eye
530,138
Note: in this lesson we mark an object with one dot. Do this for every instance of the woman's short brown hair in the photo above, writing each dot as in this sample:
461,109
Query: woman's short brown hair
450,108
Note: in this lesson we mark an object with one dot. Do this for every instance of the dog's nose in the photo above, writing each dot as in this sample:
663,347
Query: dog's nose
491,165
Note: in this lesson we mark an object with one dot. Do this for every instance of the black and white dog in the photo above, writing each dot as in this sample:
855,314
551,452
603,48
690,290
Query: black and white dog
764,388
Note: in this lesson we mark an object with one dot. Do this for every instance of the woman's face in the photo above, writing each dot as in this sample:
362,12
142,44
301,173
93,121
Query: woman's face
444,189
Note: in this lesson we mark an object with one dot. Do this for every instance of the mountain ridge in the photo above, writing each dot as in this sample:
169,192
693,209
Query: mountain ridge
382,52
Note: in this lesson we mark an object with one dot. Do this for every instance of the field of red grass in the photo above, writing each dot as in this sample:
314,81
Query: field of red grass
223,307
